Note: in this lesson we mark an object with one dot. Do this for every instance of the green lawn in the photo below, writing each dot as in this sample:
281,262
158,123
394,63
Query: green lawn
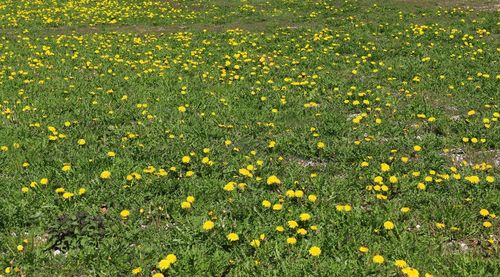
249,137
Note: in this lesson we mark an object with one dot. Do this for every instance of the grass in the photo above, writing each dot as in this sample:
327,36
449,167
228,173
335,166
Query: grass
368,112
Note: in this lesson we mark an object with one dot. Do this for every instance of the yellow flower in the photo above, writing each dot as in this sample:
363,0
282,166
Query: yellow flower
292,224
291,240
312,198
164,264
304,216
321,145
124,214
487,224
417,148
385,167
271,144
245,172
405,209
473,179
410,272
388,225
314,251
158,275
136,270
273,180
229,186
400,263
484,212
233,237
421,186
190,199
186,159
255,243
378,259
185,205
208,225
242,186
277,207
302,231
363,249
68,195
105,174
171,258
20,248
81,142
266,204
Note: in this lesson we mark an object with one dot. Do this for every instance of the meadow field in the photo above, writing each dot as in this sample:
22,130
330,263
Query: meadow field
249,138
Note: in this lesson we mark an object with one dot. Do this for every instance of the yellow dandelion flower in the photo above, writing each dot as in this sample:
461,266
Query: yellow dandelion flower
136,270
292,224
186,205
273,180
255,243
378,259
164,264
388,225
484,212
291,240
304,216
124,214
400,263
233,237
172,258
315,251
208,225
105,175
